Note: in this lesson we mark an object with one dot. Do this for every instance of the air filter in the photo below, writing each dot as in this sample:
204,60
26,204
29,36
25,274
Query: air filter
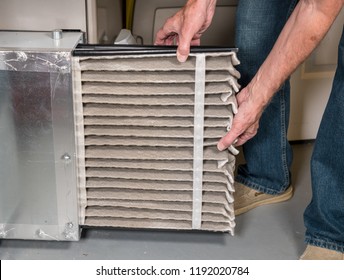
147,129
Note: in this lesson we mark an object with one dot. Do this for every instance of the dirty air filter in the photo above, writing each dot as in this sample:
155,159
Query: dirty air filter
147,129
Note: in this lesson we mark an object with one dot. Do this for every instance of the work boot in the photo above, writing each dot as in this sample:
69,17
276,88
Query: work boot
318,253
246,198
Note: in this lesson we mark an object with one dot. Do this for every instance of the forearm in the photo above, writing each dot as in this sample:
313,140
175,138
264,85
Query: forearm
304,30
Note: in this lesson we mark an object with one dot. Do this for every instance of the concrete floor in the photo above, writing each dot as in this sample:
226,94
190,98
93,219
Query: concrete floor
267,233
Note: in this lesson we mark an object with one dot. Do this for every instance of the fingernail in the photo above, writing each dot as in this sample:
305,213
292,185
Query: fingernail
220,146
181,58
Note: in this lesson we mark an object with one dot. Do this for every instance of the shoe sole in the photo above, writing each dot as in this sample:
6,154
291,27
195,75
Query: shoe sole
276,199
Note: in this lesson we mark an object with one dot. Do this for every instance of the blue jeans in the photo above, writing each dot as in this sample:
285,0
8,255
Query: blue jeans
324,216
268,155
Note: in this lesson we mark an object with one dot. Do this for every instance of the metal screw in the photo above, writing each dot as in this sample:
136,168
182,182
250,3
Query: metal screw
69,231
66,157
57,34
40,233
2,231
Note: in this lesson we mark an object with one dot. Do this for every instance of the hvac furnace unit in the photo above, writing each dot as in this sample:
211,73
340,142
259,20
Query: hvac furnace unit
112,136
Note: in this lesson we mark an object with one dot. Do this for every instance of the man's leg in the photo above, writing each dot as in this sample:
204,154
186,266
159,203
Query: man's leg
268,155
324,216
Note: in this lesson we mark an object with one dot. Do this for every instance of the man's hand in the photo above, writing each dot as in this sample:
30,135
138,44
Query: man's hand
246,121
303,31
186,27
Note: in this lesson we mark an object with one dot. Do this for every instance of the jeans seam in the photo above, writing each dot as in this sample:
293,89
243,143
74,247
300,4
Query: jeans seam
282,158
331,245
283,120
323,215
283,144
257,187
284,138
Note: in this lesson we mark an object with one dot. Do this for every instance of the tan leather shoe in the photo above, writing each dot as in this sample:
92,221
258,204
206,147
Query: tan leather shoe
318,253
246,198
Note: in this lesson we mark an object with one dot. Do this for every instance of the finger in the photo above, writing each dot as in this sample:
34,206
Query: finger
244,138
170,40
195,42
235,136
189,35
183,50
228,139
162,37
169,30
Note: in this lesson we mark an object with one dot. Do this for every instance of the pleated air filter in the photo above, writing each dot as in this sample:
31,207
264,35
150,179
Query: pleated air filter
147,130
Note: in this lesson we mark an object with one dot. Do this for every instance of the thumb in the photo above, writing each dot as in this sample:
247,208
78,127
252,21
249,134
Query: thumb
187,37
183,49
227,140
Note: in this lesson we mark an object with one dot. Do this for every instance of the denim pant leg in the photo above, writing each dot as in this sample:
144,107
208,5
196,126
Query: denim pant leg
268,155
324,216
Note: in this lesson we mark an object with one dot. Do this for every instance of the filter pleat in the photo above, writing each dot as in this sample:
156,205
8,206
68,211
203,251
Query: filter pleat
139,141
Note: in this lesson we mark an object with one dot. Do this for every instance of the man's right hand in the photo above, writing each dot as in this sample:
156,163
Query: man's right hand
186,27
